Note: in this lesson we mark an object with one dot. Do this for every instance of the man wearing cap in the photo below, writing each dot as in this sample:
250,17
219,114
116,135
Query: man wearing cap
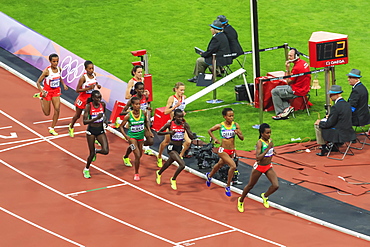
218,45
232,37
337,127
358,99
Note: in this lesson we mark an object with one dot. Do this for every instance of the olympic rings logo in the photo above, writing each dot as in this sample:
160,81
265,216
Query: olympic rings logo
71,70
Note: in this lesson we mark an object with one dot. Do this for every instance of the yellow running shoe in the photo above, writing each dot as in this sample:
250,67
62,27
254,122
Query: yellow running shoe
159,163
148,152
37,95
97,142
240,205
265,200
127,161
52,131
158,178
173,184
71,131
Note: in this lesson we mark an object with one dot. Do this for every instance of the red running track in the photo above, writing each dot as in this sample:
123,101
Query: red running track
45,201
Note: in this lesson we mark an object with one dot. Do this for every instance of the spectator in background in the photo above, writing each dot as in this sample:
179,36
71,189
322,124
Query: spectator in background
337,127
232,37
297,86
358,99
218,45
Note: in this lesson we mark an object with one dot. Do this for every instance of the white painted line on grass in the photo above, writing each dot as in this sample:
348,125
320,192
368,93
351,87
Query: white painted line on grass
40,227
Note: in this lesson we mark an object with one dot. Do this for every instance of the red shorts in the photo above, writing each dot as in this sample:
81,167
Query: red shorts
228,151
261,168
81,101
139,140
53,92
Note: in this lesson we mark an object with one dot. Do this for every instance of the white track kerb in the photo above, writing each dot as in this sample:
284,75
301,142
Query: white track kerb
199,174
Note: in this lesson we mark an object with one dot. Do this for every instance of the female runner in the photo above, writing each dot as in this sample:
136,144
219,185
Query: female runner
137,73
174,102
144,106
51,92
93,117
228,129
137,121
176,130
85,86
264,153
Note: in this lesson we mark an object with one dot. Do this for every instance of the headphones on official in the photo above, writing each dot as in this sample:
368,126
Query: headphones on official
296,53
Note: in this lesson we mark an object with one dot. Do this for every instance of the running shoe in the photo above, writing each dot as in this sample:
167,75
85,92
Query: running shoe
173,184
265,200
240,205
86,173
127,161
71,131
37,95
52,131
159,163
148,152
287,111
227,191
208,180
158,178
97,142
137,177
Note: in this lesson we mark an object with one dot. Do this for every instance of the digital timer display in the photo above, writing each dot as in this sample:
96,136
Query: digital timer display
331,50
328,49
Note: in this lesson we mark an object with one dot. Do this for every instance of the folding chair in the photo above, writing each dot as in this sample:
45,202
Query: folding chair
363,132
344,153
304,105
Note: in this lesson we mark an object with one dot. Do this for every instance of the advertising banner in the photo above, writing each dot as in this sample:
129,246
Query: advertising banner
35,49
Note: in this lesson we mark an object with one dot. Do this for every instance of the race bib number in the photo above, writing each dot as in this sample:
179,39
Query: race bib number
178,136
137,128
170,147
255,166
220,150
54,83
79,102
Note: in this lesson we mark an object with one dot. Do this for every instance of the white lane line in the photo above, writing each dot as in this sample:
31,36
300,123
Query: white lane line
40,227
47,121
66,126
37,140
204,237
6,127
85,191
86,205
142,190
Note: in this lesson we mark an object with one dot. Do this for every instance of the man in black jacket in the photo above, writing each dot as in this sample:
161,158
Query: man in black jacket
218,45
232,37
337,127
358,99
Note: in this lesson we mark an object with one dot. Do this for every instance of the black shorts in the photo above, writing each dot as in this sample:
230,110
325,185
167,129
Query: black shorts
171,147
96,131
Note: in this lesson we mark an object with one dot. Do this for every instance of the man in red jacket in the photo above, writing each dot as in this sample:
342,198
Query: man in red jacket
297,86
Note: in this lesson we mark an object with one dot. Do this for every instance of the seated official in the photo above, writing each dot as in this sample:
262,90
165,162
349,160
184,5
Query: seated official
218,45
337,127
358,99
232,36
297,86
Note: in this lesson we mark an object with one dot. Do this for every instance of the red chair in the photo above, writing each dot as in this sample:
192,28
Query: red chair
301,103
